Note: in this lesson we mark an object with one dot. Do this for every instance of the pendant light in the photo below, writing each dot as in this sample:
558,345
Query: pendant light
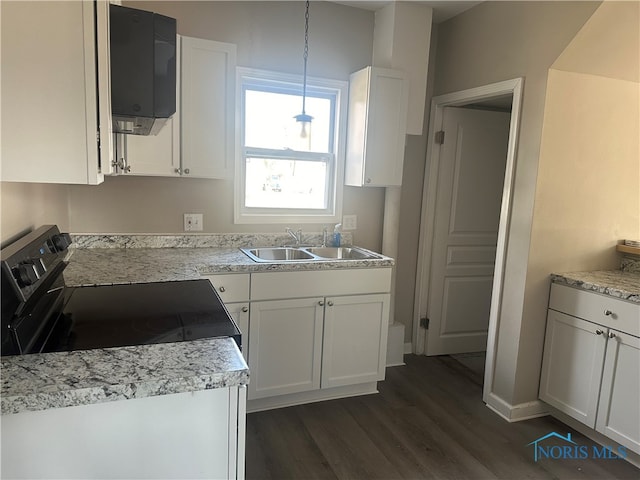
303,118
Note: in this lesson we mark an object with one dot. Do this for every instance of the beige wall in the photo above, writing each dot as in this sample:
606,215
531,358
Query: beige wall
268,35
25,206
588,189
496,41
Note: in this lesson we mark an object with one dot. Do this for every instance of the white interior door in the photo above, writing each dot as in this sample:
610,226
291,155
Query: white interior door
468,201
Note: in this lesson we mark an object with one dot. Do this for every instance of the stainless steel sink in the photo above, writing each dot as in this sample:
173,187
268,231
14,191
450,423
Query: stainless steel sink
341,253
274,254
309,254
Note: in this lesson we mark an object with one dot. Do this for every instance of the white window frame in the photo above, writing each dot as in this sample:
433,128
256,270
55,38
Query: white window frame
249,215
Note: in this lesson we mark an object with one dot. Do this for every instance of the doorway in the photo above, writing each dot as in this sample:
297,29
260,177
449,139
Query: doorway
435,287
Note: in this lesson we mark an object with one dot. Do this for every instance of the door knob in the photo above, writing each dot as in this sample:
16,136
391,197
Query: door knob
599,332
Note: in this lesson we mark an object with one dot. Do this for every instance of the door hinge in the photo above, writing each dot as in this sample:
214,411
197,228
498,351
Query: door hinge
439,137
424,322
98,137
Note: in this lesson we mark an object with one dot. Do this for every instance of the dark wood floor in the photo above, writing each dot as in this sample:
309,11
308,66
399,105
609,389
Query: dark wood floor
428,421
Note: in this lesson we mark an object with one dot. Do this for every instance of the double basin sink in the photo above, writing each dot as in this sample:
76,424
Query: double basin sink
308,254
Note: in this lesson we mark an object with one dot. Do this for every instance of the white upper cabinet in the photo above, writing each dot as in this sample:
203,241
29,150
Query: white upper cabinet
376,128
150,155
55,92
207,96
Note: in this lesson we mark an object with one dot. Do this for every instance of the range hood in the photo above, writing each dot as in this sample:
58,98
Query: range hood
143,70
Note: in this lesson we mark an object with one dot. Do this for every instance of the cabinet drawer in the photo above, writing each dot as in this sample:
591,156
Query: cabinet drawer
231,287
623,316
276,285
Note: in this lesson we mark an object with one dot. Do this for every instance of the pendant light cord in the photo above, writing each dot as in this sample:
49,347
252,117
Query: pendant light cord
305,56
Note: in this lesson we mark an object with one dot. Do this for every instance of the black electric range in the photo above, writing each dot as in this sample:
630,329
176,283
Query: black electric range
41,314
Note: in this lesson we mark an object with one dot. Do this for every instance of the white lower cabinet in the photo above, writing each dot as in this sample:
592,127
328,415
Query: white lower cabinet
310,331
591,371
285,346
317,331
354,339
619,410
312,343
240,314
233,289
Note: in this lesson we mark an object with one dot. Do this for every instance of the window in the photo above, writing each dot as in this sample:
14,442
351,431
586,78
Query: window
282,174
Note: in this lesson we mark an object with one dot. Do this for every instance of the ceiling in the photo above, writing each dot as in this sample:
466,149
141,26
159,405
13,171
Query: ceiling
442,9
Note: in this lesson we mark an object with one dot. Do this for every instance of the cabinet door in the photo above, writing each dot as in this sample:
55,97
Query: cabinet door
240,314
355,339
378,102
285,346
49,93
152,155
619,411
572,366
208,107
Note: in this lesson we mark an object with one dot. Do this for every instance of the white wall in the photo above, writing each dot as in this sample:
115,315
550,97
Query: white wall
26,206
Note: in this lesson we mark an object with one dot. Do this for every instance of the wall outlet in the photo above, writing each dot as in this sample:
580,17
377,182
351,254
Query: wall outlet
349,222
193,222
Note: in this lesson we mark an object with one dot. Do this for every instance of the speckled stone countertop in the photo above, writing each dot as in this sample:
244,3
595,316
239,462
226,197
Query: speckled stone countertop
65,379
615,283
109,259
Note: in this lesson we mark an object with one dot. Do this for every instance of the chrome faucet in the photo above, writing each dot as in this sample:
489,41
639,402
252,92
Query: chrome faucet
297,235
325,236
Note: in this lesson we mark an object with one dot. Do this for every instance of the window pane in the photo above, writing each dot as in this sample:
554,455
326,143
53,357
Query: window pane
277,183
269,121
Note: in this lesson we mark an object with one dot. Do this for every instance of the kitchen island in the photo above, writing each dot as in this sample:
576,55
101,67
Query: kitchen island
172,410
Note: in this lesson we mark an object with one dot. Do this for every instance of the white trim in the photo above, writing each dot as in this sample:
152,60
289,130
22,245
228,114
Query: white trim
408,348
300,398
340,130
464,97
632,457
519,412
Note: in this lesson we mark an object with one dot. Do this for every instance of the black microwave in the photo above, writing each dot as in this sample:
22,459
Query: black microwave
143,69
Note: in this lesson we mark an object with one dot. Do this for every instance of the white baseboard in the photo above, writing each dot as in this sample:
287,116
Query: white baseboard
519,412
280,401
408,348
632,458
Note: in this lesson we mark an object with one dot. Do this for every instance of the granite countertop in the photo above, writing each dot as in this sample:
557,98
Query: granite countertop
620,284
65,379
168,262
